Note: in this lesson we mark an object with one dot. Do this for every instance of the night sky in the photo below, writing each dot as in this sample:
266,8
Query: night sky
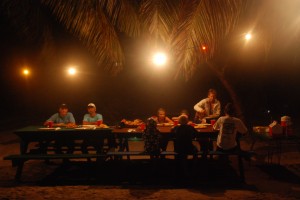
139,90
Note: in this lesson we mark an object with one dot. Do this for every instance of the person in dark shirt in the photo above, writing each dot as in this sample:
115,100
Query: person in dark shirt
184,135
151,137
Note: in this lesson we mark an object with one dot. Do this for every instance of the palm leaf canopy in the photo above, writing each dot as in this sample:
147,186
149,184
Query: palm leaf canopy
180,25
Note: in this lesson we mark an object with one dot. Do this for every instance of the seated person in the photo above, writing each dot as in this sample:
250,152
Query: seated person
151,137
91,119
184,135
183,112
62,118
228,127
160,119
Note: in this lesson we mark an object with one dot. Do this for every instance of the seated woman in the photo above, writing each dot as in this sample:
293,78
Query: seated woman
228,127
151,138
184,135
161,118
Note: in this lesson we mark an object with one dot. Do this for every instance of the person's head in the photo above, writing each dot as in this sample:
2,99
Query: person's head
229,109
63,110
183,119
184,112
212,95
161,113
91,108
151,123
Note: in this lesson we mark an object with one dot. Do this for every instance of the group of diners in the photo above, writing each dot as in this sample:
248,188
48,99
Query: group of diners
154,142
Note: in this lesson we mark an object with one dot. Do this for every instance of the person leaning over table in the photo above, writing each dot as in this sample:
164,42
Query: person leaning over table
228,127
161,118
208,107
91,118
63,118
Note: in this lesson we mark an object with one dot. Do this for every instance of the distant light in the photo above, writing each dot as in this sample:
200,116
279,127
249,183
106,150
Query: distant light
248,36
203,48
159,59
26,72
72,71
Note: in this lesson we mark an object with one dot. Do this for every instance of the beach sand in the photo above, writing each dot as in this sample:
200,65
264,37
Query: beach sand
140,179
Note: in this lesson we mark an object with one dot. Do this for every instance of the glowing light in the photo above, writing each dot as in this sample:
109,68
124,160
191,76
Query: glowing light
248,36
159,59
72,71
203,48
26,72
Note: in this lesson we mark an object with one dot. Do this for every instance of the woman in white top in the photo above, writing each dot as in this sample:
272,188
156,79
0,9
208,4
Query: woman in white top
228,127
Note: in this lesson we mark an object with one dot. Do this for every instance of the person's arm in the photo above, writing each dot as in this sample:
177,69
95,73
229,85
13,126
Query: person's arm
52,118
241,127
71,120
199,107
217,125
217,109
169,120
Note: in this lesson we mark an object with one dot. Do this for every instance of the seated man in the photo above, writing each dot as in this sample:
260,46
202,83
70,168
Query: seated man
62,118
92,118
228,127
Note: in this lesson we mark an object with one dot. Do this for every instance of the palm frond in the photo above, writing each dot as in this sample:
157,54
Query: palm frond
158,17
202,23
95,28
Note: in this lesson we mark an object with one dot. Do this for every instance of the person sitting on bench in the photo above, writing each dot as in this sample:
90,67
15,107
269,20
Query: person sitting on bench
228,127
151,137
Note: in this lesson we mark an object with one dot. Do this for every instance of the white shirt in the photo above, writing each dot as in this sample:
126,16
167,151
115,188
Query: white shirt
228,128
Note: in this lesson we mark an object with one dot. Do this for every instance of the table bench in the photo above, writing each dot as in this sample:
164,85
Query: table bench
18,160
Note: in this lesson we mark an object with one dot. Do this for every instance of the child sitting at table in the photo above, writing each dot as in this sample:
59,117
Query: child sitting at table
151,137
184,135
161,118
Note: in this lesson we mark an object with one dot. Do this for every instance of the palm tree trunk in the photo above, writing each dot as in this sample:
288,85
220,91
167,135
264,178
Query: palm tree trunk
230,90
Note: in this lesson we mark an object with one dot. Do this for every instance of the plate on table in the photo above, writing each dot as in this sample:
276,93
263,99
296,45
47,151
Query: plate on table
200,126
165,124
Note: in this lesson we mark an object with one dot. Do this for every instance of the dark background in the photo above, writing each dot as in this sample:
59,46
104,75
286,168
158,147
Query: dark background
139,90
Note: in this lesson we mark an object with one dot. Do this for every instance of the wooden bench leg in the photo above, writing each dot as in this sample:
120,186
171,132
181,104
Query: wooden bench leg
19,170
241,168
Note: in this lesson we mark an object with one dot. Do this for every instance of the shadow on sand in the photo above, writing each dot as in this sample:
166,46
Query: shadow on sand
165,173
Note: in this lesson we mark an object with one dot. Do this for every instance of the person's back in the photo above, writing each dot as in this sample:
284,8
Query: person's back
151,138
228,127
184,135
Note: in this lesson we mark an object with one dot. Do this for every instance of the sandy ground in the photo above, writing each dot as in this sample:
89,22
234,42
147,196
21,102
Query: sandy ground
143,180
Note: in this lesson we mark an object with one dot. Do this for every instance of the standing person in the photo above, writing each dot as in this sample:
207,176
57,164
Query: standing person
62,118
92,117
209,107
228,127
161,118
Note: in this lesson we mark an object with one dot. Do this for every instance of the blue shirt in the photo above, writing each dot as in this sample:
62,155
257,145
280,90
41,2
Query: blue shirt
56,118
89,118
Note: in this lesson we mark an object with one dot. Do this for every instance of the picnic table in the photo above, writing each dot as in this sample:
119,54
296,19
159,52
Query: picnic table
37,134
